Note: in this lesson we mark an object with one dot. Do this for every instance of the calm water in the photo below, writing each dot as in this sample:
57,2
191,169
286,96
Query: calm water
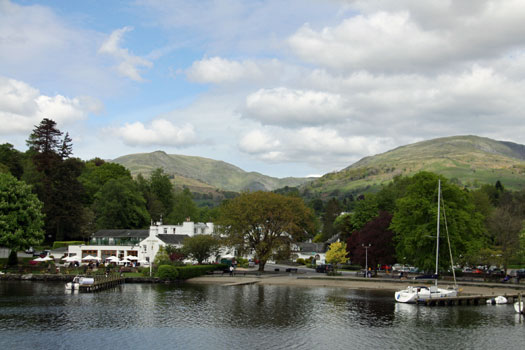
42,316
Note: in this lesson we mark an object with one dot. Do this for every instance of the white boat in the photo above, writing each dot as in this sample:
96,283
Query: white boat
518,306
78,281
413,294
500,299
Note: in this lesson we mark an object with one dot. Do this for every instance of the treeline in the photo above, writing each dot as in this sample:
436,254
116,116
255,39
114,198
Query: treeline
80,197
398,224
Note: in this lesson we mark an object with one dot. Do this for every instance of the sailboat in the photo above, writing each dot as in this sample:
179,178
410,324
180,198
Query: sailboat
413,294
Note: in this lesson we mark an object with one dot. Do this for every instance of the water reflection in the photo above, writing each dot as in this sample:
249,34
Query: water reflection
269,317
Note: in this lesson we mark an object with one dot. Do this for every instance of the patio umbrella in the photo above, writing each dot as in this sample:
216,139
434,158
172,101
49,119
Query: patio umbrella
112,258
89,257
72,258
131,257
39,259
124,261
46,258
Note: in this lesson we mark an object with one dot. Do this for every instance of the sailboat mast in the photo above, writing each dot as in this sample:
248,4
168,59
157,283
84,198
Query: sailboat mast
437,237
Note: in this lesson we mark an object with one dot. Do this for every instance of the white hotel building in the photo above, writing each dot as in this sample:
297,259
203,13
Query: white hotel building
144,244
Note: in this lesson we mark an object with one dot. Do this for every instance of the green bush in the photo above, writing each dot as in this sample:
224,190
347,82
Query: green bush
60,244
300,261
167,272
241,262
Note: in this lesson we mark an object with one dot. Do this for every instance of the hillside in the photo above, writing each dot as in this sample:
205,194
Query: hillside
469,161
203,174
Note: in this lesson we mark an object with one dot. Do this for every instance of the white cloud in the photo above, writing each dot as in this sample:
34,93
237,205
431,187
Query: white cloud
159,132
219,70
316,145
407,36
23,106
128,64
283,106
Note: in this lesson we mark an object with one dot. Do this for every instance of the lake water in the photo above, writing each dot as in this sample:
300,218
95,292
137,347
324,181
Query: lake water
36,315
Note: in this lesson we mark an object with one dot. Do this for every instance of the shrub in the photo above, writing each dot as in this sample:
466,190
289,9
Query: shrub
242,262
167,272
300,261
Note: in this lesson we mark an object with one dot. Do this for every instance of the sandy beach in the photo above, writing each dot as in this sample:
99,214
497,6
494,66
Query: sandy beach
476,288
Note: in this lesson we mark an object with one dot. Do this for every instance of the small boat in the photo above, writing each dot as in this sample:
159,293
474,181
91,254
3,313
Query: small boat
413,294
497,300
78,281
518,306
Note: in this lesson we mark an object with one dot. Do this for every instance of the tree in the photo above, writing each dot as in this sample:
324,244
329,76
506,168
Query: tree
55,180
337,253
377,234
332,211
119,204
506,224
175,254
200,247
21,217
96,173
263,221
162,189
12,160
183,208
414,223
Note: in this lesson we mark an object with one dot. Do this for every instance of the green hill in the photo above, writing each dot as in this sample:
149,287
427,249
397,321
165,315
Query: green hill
203,174
469,161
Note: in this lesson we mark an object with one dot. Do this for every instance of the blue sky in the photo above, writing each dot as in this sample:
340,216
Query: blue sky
285,88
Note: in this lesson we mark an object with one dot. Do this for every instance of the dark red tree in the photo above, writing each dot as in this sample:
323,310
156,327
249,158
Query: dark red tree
377,234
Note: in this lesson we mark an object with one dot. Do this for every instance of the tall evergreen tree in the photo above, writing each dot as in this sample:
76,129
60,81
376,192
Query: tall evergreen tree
56,180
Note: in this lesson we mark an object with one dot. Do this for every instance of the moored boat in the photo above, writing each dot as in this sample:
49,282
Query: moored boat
413,294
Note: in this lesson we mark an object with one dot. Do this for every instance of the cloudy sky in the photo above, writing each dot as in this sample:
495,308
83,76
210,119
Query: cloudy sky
285,88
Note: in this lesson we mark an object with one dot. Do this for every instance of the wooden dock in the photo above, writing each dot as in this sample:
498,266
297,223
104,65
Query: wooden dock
102,282
465,300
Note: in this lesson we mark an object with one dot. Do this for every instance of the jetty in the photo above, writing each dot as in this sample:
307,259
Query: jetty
102,282
465,300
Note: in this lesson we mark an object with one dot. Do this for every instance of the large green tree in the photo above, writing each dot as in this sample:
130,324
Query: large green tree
200,247
414,223
96,173
21,218
264,221
119,204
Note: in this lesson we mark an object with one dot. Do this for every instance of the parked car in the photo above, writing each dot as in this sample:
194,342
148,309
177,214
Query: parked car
324,268
42,254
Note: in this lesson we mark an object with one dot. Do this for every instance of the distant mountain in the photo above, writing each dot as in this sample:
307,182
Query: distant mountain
204,174
469,161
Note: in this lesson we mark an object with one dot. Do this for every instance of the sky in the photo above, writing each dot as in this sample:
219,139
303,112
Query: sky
284,88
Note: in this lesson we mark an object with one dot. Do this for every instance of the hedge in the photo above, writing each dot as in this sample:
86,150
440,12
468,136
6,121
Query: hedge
60,244
167,272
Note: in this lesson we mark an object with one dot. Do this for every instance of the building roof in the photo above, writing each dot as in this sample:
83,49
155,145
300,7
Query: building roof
172,239
121,234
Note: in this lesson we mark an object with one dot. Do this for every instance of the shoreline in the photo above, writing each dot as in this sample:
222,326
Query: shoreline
300,281
353,283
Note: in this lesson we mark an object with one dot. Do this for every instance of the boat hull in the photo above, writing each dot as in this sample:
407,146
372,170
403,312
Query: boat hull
518,307
415,294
